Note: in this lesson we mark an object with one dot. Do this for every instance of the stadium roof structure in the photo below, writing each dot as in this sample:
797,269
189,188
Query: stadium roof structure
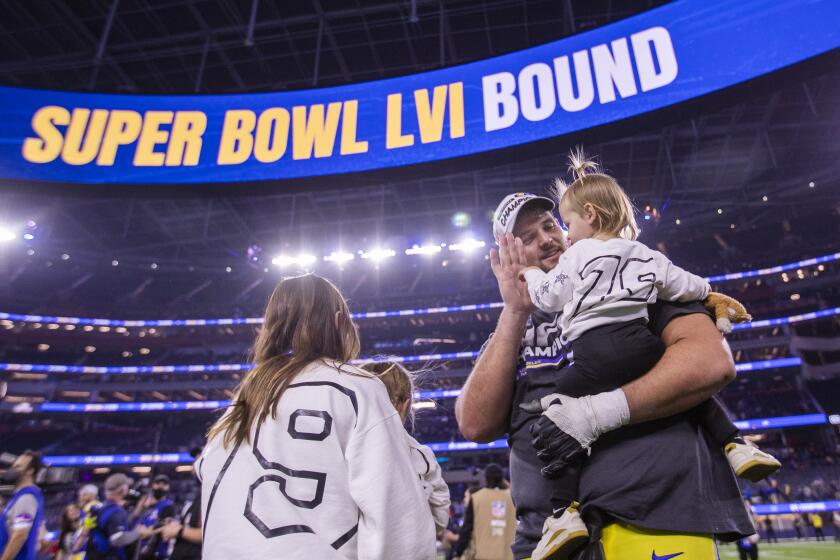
771,138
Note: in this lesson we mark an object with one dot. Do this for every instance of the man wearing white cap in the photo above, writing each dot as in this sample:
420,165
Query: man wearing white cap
651,486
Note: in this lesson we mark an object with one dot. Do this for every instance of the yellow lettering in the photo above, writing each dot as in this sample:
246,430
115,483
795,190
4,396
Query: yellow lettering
349,124
456,110
123,128
270,146
150,136
394,138
237,142
83,137
185,138
315,130
430,119
46,147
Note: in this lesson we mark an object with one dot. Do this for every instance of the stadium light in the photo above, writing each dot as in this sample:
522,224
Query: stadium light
6,234
303,260
339,257
423,404
467,245
423,250
378,255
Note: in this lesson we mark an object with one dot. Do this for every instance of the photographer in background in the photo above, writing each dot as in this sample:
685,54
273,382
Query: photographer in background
155,510
24,512
187,530
108,524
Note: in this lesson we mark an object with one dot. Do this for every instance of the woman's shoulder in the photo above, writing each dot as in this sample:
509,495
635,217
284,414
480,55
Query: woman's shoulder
348,375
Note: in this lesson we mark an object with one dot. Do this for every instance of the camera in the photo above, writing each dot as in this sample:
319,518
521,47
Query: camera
140,489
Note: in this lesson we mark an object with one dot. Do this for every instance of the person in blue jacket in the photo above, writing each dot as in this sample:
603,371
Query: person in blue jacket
24,512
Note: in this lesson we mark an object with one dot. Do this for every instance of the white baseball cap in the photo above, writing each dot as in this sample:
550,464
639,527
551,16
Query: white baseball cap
504,218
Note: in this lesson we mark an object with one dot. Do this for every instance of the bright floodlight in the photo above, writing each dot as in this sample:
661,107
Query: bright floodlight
339,257
467,245
378,255
301,260
423,250
306,260
460,219
6,235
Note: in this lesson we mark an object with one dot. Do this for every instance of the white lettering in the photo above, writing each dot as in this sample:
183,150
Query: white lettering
531,108
583,76
501,109
659,40
613,68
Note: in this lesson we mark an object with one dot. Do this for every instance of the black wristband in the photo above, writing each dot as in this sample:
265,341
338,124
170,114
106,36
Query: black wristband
180,535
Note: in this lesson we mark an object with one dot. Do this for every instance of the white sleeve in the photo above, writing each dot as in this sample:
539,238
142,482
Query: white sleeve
436,489
22,514
551,291
677,284
394,519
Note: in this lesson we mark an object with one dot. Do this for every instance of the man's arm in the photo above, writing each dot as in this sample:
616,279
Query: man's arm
483,407
696,365
16,541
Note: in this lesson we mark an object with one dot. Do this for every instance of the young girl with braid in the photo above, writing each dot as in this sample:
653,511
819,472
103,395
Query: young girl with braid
400,384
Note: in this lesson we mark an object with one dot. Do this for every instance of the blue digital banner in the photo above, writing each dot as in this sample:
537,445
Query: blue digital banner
796,507
656,59
128,370
782,422
124,459
438,446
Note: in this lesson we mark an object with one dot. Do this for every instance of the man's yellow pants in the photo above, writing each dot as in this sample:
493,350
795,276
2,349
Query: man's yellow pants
626,542
621,541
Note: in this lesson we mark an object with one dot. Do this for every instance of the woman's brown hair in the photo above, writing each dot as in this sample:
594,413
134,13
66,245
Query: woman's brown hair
306,319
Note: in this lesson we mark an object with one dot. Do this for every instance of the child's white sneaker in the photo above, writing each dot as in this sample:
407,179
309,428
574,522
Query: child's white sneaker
561,536
750,462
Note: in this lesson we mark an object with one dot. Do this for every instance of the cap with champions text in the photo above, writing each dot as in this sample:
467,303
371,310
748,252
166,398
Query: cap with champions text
504,218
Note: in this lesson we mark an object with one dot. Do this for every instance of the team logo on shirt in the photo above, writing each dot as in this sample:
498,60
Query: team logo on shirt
541,345
498,508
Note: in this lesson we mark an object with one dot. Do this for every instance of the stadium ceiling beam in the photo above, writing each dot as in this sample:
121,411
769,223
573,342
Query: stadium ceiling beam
339,57
46,37
82,30
102,43
216,47
233,14
166,41
371,43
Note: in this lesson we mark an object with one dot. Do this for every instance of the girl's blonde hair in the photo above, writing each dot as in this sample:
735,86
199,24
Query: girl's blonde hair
306,319
399,382
613,209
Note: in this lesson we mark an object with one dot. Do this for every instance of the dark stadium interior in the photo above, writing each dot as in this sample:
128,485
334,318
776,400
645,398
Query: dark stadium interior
730,184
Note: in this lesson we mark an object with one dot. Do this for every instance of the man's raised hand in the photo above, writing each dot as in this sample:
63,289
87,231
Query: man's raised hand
507,262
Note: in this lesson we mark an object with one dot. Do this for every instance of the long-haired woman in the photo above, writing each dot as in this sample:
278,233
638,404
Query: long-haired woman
310,460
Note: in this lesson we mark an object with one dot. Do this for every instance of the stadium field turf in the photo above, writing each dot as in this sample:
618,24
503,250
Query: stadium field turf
788,551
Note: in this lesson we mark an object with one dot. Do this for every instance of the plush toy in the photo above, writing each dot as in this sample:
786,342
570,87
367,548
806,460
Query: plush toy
726,310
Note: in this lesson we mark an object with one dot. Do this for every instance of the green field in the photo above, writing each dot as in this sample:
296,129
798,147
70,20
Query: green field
788,551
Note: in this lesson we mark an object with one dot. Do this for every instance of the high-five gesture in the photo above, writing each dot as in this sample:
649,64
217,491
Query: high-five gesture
507,263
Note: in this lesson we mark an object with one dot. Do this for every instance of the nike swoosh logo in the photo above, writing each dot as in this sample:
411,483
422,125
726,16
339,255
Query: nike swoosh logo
653,556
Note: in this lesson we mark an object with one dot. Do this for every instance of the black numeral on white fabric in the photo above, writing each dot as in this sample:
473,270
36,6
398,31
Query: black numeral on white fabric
312,436
281,476
603,274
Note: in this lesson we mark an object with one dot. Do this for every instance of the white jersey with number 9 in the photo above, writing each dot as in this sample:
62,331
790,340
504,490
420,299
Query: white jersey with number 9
328,477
